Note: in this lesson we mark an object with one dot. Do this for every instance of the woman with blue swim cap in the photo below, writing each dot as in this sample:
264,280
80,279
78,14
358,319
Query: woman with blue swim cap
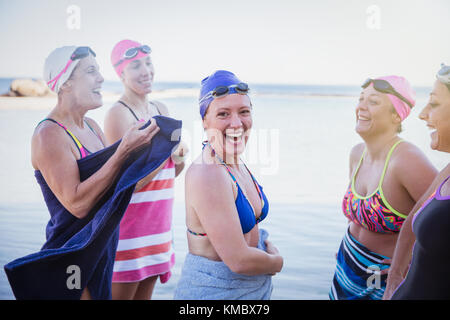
229,255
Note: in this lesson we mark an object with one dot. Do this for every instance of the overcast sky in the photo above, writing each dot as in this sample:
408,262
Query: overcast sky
295,42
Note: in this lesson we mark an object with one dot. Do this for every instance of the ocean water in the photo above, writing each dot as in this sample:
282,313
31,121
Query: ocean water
298,150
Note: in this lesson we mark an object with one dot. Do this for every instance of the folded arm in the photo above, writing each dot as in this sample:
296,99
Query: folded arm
214,204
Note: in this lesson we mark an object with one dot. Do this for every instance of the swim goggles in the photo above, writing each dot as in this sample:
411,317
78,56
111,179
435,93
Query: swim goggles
79,53
444,74
132,52
385,87
220,91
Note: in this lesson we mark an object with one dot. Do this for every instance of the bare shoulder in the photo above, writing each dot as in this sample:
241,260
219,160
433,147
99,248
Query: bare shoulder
207,181
356,153
445,172
47,133
412,169
161,107
407,156
118,120
117,111
48,140
203,176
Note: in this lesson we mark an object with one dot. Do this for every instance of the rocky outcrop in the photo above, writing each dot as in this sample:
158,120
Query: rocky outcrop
28,88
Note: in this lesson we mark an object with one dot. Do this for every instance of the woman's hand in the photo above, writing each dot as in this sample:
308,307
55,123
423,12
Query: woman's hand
271,249
180,153
135,138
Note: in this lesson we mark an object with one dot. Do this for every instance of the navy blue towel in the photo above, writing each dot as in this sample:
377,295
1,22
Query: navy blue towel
86,247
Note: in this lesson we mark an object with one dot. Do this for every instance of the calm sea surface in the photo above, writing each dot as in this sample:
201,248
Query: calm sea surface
298,151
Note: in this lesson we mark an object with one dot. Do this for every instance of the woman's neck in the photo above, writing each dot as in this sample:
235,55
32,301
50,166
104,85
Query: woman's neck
68,113
377,146
231,161
135,100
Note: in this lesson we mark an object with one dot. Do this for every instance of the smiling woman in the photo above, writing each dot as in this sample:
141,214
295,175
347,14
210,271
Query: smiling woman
420,265
229,256
145,251
436,115
387,177
61,144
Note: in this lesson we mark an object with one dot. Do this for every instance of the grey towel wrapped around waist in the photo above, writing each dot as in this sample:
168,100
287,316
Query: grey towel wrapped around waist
205,279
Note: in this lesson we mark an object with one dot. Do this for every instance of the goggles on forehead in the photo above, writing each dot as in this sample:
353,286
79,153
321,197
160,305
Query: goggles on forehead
385,87
220,91
132,52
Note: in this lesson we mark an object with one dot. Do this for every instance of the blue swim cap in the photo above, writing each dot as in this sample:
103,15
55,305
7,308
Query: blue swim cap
218,78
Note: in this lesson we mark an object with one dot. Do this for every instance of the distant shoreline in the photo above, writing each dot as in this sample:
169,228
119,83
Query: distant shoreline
49,101
112,90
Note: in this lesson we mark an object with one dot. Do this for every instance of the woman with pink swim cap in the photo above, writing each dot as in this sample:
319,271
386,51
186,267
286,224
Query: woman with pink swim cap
387,177
145,250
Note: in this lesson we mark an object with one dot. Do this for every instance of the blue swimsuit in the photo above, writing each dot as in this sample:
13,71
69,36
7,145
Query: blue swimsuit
247,215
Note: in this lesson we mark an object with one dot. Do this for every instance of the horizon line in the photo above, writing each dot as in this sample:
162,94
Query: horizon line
197,83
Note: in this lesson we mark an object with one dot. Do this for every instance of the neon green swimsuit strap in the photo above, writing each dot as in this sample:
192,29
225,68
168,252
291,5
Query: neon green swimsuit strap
357,169
386,163
381,182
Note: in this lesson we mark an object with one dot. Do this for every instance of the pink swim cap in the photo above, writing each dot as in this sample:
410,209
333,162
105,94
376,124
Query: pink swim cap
118,53
402,86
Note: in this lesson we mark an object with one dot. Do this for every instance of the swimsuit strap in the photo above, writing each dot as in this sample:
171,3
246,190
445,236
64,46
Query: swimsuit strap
256,183
260,218
196,233
386,162
385,165
232,176
82,149
134,114
87,123
131,110
157,108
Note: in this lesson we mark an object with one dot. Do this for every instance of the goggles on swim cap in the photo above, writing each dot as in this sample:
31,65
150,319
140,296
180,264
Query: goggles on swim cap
385,87
444,74
79,53
132,52
220,91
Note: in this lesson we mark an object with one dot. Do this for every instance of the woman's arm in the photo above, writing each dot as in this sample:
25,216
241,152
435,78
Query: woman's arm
405,242
209,192
52,155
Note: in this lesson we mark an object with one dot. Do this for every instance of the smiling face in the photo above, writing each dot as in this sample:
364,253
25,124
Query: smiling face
227,122
375,113
138,75
85,83
437,116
